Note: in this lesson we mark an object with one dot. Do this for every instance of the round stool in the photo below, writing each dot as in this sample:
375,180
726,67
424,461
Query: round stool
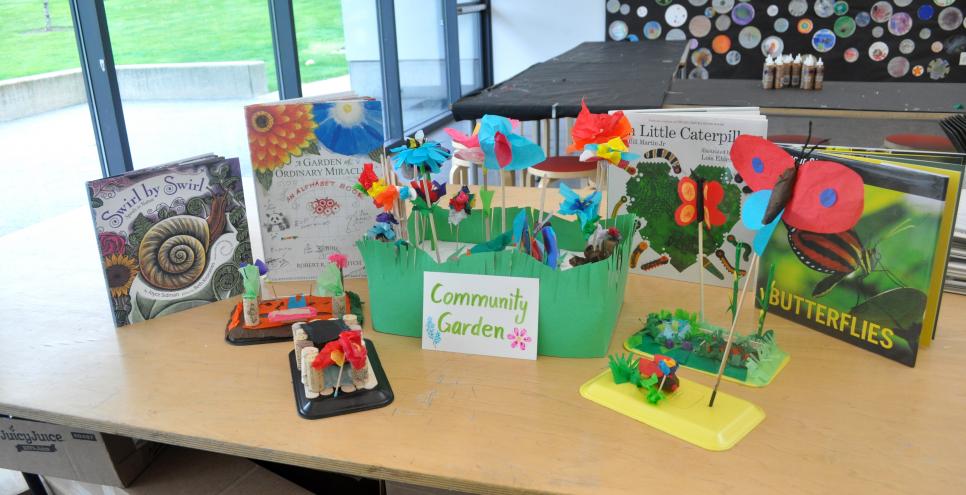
796,139
924,142
563,167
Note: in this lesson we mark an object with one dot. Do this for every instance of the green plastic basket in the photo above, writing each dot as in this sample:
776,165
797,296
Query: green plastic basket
578,307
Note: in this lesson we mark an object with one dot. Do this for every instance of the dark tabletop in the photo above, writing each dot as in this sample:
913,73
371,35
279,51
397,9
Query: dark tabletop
611,76
835,95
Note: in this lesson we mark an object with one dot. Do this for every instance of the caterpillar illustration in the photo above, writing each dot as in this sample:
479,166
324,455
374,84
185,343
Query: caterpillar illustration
709,266
650,265
638,251
745,248
727,264
664,154
617,207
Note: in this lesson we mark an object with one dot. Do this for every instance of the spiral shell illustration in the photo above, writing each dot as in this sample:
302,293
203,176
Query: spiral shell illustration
174,252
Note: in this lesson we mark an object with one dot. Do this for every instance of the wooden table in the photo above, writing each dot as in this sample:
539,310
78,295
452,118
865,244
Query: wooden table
840,420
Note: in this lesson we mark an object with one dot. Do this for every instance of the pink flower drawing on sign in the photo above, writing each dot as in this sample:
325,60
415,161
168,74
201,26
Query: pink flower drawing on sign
519,338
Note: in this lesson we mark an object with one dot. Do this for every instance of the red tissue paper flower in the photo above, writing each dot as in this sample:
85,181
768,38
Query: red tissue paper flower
367,177
597,128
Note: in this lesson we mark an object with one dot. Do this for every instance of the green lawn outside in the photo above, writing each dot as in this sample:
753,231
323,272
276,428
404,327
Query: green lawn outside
164,31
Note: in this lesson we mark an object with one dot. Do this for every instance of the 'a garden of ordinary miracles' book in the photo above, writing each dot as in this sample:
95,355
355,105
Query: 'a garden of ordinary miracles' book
674,145
306,156
171,237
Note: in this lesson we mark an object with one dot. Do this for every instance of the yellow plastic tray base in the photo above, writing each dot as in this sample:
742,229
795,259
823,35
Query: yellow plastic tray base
771,378
684,414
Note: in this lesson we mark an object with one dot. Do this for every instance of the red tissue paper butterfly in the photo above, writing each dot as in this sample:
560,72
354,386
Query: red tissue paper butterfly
817,196
703,208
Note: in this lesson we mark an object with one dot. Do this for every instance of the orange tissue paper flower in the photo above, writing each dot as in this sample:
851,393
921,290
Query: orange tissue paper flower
597,128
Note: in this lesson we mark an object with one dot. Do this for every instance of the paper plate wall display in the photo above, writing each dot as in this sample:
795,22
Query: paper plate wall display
862,19
851,55
925,33
678,35
805,26
881,12
918,71
900,23
772,10
675,15
902,3
625,9
733,57
721,44
663,3
772,46
944,3
824,8
877,32
950,18
797,7
698,73
697,3
722,6
722,22
642,11
844,27
699,26
956,45
617,30
938,69
781,25
907,46
823,40
743,14
612,6
936,47
878,51
701,57
840,8
898,67
652,30
749,37
925,12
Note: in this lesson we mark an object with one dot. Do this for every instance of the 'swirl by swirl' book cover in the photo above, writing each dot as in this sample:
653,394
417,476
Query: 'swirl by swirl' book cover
306,157
171,237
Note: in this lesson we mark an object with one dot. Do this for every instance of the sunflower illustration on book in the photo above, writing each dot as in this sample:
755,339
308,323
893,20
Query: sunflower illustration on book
349,127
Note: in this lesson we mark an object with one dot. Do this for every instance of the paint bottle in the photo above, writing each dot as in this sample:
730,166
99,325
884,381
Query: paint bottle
779,71
808,72
787,73
797,71
819,74
768,74
250,311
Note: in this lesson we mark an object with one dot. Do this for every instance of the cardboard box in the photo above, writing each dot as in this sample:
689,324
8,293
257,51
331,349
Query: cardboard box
190,472
72,453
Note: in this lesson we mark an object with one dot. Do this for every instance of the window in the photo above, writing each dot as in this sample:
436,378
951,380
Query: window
471,53
185,69
46,138
422,63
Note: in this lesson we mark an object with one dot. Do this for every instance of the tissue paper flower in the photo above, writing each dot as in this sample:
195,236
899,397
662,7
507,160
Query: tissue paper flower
585,209
262,267
340,260
503,149
438,190
386,217
383,230
278,132
419,155
350,127
594,128
614,151
367,177
386,198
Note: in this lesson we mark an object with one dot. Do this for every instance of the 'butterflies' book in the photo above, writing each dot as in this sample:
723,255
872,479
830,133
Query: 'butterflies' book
873,284
306,156
673,146
171,236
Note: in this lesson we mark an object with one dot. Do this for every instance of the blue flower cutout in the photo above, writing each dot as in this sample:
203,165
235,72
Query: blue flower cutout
349,127
426,156
585,209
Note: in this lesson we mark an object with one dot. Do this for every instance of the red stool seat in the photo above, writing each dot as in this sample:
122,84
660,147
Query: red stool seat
796,139
919,142
565,164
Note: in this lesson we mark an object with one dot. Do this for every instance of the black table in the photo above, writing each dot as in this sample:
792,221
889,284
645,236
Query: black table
611,76
904,98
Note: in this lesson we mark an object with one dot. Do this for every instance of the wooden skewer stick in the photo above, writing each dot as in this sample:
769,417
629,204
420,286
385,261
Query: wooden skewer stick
432,219
700,265
338,381
543,196
503,198
731,333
